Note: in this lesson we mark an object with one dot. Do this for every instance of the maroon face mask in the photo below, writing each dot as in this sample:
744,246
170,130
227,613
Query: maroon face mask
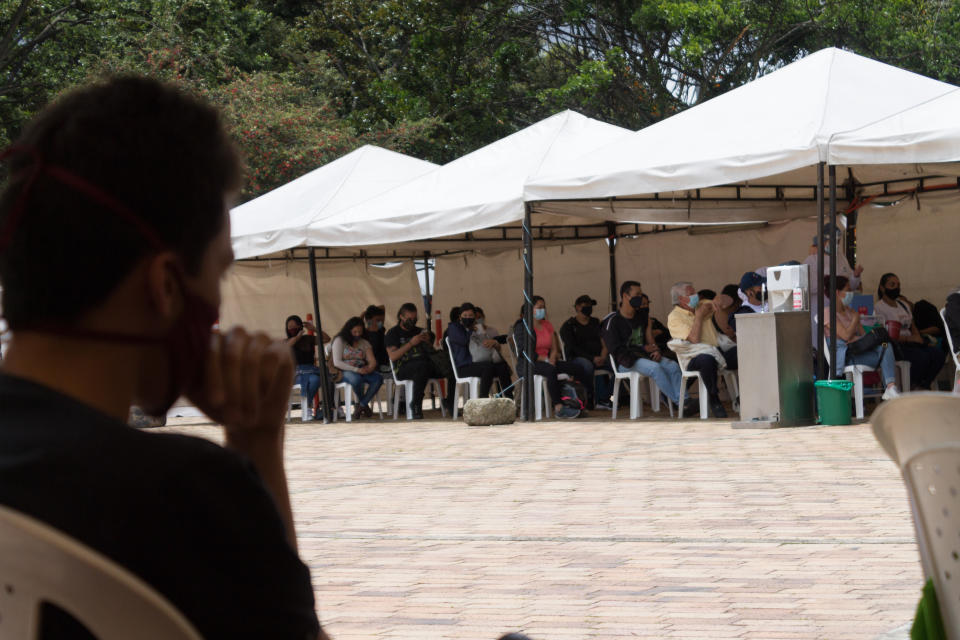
187,342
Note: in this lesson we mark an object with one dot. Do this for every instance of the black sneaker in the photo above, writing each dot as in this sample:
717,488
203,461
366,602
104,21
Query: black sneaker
717,409
691,407
418,414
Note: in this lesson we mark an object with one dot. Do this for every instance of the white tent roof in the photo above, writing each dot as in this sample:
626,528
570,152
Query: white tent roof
763,132
480,190
927,133
278,220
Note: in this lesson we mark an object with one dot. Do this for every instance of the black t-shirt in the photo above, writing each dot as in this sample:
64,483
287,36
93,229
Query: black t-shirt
304,350
398,336
624,337
581,340
187,516
376,340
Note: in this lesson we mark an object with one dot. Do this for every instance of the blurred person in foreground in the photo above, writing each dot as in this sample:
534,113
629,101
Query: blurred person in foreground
139,175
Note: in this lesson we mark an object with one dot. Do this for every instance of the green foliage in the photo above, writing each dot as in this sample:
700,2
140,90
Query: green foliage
302,83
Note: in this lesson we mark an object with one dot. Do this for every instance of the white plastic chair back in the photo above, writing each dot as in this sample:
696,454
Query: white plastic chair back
921,433
472,383
953,351
405,388
541,397
40,564
634,378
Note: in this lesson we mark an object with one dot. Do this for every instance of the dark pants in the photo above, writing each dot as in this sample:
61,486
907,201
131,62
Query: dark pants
925,363
707,366
550,372
487,371
420,371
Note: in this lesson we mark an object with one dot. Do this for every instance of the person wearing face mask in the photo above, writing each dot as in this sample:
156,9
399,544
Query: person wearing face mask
628,335
460,335
691,322
141,175
409,348
353,355
925,360
304,348
374,332
849,330
751,292
546,357
584,346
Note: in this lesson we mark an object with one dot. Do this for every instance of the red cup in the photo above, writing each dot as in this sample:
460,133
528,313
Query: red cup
893,328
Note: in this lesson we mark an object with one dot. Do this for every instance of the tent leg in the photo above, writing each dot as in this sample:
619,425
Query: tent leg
529,342
612,244
833,265
821,210
427,301
322,358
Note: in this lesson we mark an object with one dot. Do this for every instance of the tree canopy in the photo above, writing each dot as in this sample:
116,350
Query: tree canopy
302,83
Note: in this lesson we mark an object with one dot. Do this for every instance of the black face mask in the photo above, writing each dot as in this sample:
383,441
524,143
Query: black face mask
586,310
636,301
893,293
468,322
409,323
643,315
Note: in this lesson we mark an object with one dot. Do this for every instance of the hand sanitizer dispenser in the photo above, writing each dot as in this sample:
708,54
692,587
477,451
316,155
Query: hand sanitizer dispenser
789,288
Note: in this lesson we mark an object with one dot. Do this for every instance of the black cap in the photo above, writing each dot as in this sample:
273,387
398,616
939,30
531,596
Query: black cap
585,299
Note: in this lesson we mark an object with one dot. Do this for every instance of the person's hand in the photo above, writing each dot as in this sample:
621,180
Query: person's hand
723,301
552,360
420,338
655,356
598,361
858,270
650,348
489,343
310,326
246,385
704,309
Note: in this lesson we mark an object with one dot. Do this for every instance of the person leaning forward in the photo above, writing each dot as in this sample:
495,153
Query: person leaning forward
207,526
409,348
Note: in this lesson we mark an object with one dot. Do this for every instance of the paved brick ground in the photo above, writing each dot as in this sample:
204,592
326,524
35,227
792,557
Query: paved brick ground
599,529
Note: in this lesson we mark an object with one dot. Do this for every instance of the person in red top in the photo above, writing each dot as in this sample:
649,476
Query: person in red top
547,362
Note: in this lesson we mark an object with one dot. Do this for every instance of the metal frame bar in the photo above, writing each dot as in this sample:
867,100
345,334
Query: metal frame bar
821,320
529,339
322,357
833,270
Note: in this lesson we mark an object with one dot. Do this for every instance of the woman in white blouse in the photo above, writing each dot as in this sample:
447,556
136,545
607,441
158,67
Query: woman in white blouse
925,360
354,357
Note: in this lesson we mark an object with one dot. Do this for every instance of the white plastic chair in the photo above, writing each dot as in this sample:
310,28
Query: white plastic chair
472,383
295,398
343,392
729,378
953,352
404,388
40,564
541,396
636,401
921,434
597,373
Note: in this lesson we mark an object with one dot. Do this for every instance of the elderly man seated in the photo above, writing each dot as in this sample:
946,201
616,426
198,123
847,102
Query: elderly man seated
689,322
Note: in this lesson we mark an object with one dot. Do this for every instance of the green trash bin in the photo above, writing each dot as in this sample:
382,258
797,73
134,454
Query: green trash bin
833,401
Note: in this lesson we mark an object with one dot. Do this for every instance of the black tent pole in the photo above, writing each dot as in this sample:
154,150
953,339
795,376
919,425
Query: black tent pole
833,269
428,302
821,212
322,358
612,244
529,393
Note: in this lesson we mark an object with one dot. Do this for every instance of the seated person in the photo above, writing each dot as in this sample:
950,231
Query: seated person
484,330
925,359
374,332
409,348
461,337
584,346
304,354
627,334
732,291
661,335
952,310
690,321
750,292
722,310
927,320
454,317
209,527
353,355
832,244
546,356
849,330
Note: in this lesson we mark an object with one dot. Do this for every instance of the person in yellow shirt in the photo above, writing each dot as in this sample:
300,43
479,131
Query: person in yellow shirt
690,321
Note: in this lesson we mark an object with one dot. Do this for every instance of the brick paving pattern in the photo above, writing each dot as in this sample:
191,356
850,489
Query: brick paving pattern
570,530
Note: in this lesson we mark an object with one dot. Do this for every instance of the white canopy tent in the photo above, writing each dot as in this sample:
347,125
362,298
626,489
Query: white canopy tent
278,220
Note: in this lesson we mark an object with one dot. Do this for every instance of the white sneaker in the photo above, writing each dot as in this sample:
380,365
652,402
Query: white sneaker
307,411
890,393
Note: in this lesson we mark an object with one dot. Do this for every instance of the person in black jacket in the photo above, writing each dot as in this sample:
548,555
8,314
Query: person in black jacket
584,346
628,336
952,311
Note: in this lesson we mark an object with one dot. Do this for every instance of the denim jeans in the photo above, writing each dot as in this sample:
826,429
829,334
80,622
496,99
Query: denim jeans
602,387
308,377
869,358
357,380
665,373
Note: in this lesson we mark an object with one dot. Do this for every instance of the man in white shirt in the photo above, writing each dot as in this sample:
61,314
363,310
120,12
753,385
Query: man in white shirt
843,265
